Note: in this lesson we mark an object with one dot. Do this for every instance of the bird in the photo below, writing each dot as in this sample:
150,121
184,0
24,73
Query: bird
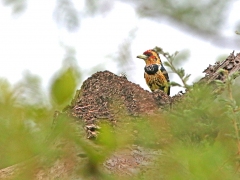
155,74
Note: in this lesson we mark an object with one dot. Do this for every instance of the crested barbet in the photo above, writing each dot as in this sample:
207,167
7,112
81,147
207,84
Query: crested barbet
155,74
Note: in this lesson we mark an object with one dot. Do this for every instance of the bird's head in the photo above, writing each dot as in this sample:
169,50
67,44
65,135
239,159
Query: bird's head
150,57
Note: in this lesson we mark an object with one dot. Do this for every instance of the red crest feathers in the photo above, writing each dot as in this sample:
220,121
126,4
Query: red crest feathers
148,53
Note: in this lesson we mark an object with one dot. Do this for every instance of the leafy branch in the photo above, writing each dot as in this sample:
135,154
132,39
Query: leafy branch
179,71
231,103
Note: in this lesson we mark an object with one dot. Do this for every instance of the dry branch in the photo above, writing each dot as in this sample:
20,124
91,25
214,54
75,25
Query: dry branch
231,64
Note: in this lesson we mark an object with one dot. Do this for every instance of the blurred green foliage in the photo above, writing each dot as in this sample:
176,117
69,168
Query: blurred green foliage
199,136
205,19
17,5
67,15
24,118
200,15
64,86
123,57
66,80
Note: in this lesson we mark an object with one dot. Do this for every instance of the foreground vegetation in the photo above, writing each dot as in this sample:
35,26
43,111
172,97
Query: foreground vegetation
201,140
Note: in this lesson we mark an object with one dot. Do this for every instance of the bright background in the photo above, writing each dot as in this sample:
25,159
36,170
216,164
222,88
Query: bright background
32,40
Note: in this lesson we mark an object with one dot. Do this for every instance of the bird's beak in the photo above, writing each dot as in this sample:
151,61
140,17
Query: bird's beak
142,56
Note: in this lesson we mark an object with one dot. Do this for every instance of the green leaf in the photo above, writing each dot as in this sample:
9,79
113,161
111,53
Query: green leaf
235,74
167,64
172,83
185,79
219,81
222,71
180,58
176,53
181,72
237,32
64,85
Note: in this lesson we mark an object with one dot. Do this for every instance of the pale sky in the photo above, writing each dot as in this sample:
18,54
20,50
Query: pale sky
31,42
